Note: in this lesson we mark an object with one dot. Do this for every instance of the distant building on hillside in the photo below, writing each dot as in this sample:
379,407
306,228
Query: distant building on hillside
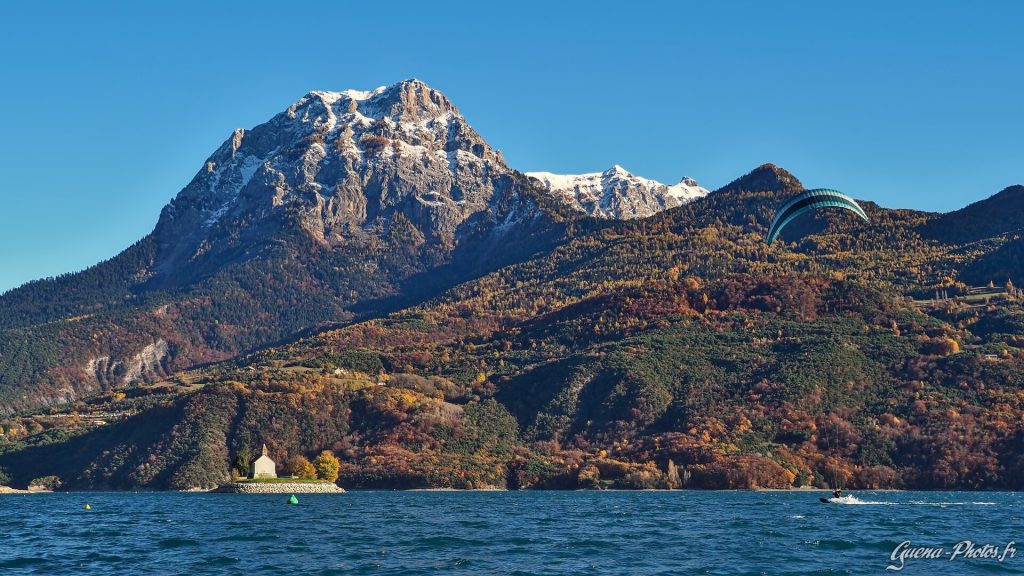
263,467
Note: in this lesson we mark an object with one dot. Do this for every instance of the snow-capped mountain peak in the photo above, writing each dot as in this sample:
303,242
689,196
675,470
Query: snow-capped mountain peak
335,163
404,101
617,193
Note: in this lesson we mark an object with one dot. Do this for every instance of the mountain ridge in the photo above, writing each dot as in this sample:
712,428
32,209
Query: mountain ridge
985,218
618,194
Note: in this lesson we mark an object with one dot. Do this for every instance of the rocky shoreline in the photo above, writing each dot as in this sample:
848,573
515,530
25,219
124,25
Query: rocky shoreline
9,490
279,488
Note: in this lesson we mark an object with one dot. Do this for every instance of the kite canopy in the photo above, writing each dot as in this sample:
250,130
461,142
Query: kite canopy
811,200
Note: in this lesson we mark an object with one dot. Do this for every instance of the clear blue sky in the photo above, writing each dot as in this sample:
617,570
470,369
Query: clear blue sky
110,108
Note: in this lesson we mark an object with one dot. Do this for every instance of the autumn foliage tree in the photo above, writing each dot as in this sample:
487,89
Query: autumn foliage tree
327,466
300,467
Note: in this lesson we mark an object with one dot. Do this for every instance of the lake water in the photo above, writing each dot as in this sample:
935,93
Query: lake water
682,532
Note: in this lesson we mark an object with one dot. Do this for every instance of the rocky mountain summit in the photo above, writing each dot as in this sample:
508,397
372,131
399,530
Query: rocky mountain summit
339,166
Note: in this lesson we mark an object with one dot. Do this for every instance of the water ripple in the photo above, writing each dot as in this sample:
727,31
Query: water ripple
416,533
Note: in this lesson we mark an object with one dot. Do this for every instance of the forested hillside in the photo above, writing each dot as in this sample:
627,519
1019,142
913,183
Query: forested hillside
677,350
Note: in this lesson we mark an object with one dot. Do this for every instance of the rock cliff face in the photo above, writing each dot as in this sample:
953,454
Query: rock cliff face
147,364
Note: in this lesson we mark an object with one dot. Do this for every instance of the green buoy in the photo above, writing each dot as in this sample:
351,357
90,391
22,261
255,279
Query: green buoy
293,500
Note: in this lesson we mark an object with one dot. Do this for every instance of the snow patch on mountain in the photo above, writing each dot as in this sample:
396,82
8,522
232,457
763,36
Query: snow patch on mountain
616,193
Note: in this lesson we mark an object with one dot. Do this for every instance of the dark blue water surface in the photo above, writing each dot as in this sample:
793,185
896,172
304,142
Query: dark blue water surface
680,532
